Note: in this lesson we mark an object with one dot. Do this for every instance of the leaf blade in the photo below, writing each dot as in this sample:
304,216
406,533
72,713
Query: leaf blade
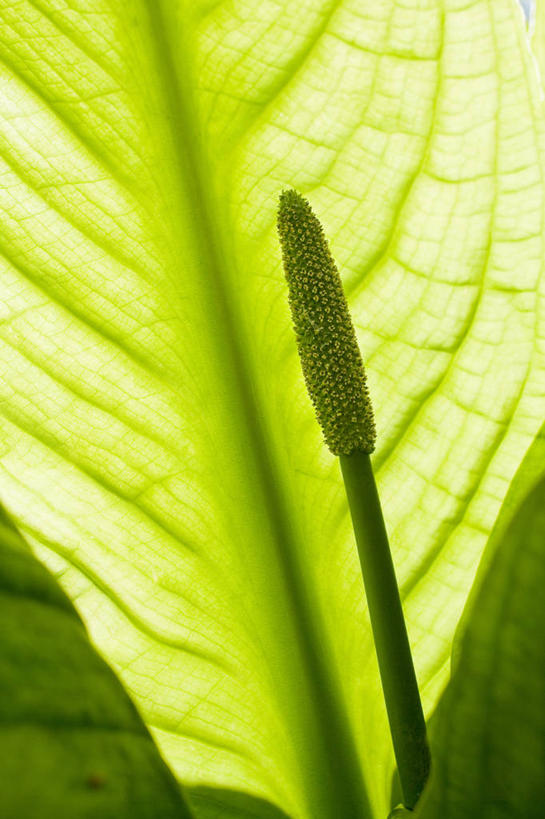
71,738
141,417
489,726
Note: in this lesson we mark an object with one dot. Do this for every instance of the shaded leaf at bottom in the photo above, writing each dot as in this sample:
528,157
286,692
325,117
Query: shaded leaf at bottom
73,744
489,737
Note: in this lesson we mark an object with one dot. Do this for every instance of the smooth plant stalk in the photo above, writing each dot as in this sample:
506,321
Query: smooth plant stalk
399,684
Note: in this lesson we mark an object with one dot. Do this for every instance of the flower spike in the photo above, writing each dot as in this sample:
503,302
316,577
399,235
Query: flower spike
329,352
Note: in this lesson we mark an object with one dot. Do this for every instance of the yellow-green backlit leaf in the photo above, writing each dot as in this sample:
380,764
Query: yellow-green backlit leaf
157,446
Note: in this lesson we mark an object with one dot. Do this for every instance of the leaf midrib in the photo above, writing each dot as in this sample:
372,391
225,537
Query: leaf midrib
340,756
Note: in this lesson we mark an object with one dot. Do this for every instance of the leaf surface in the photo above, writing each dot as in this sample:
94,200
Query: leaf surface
158,449
488,736
72,742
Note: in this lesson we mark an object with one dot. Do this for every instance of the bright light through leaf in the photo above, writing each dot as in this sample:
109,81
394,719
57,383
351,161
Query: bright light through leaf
158,448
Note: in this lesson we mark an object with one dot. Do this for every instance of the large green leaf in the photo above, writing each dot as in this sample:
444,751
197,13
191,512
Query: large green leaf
72,742
489,730
158,449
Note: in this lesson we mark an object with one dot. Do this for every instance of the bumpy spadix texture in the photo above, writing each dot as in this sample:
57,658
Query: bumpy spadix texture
330,356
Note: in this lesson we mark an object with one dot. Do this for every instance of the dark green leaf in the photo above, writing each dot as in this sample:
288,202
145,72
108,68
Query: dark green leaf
488,735
72,742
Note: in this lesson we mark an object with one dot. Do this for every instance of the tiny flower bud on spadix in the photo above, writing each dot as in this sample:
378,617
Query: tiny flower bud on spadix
329,352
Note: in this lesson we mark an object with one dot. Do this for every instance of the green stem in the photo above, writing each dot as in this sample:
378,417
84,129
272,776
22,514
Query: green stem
399,684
